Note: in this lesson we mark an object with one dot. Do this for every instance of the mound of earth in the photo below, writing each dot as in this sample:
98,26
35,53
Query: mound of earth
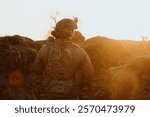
130,81
17,55
105,53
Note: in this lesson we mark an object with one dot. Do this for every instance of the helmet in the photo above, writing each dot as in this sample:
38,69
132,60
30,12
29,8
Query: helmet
64,28
67,23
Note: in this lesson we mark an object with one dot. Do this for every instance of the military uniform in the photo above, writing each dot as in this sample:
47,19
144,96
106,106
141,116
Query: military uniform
65,67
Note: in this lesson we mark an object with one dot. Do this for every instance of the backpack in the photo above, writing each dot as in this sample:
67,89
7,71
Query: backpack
60,72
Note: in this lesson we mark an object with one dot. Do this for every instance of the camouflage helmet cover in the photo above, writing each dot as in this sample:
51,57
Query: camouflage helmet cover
67,24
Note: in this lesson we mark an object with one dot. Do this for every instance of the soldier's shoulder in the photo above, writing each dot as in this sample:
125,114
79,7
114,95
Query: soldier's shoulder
45,46
43,49
76,45
79,49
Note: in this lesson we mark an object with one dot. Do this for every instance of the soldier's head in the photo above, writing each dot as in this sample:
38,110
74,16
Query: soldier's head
64,28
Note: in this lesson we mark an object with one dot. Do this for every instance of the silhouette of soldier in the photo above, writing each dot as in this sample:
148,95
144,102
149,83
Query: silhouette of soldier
66,68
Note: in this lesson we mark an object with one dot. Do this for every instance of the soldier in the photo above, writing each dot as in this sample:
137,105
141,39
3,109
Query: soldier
65,67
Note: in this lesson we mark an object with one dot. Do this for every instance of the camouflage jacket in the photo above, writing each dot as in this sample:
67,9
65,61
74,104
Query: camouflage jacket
81,66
